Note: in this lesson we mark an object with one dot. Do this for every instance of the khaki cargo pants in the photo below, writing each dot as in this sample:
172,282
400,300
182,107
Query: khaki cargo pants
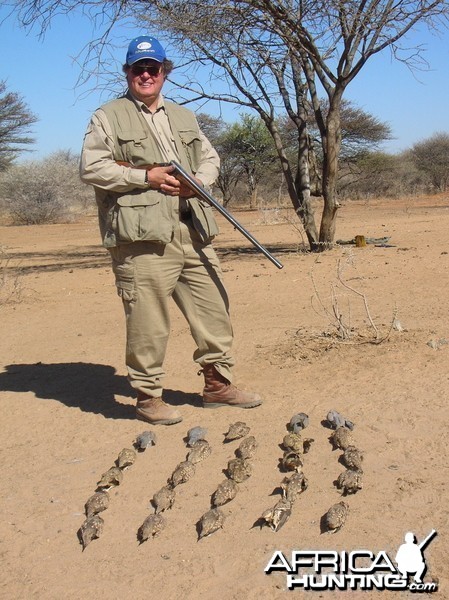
147,275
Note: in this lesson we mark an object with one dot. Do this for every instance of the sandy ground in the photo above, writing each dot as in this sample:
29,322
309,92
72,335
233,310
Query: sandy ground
67,409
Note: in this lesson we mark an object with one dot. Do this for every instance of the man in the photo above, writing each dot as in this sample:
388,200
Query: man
159,235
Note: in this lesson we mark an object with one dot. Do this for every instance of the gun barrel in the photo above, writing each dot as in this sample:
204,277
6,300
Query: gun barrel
427,539
202,193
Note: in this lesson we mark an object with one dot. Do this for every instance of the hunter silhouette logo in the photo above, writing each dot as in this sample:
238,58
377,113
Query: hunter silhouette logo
409,557
358,569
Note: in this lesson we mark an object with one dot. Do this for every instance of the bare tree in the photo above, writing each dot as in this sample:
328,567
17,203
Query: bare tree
15,122
332,41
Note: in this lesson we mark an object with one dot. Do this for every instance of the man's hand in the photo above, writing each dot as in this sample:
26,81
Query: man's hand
186,191
159,178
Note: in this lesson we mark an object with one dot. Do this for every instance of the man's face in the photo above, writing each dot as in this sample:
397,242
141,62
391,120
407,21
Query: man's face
145,80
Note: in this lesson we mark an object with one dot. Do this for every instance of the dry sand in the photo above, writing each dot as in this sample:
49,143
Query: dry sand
67,409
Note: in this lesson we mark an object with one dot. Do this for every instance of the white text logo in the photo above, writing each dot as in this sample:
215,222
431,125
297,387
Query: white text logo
358,569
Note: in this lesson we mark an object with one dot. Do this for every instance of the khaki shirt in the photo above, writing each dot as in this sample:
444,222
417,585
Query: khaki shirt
98,166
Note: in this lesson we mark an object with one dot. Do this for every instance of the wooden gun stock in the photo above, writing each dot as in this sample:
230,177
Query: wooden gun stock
123,163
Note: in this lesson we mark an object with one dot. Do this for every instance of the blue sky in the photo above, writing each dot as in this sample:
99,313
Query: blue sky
44,74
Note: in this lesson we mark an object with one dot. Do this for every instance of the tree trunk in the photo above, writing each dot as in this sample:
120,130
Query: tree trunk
252,185
298,187
331,150
227,197
302,184
254,203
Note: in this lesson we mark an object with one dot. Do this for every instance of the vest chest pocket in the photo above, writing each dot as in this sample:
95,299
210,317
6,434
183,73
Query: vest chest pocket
132,145
192,146
188,136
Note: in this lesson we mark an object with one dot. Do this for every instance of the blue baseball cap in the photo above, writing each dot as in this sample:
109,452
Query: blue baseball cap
143,47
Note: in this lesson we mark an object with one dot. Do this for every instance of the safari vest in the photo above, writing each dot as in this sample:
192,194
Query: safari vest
146,214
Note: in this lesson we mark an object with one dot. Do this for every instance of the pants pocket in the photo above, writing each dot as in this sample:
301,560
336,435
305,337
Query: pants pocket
125,281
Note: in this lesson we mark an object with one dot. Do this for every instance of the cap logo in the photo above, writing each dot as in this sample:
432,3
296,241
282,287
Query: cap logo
144,46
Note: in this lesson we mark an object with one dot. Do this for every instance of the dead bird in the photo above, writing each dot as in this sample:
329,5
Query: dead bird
96,504
291,461
225,492
194,434
298,422
247,447
183,472
163,499
341,438
145,440
349,482
210,522
239,469
90,530
336,516
293,441
293,486
334,420
151,527
236,431
126,458
111,478
352,458
200,450
277,516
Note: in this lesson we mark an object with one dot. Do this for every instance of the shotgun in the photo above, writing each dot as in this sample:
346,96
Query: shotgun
185,178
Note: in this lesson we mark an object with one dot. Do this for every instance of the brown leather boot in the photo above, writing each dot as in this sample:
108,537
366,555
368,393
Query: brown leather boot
218,391
154,410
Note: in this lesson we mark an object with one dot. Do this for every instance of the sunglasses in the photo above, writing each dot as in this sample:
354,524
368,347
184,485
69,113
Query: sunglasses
152,70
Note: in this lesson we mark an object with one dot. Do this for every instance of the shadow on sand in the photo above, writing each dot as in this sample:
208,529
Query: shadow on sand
89,387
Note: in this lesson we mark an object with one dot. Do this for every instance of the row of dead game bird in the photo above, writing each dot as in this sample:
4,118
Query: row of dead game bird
238,470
